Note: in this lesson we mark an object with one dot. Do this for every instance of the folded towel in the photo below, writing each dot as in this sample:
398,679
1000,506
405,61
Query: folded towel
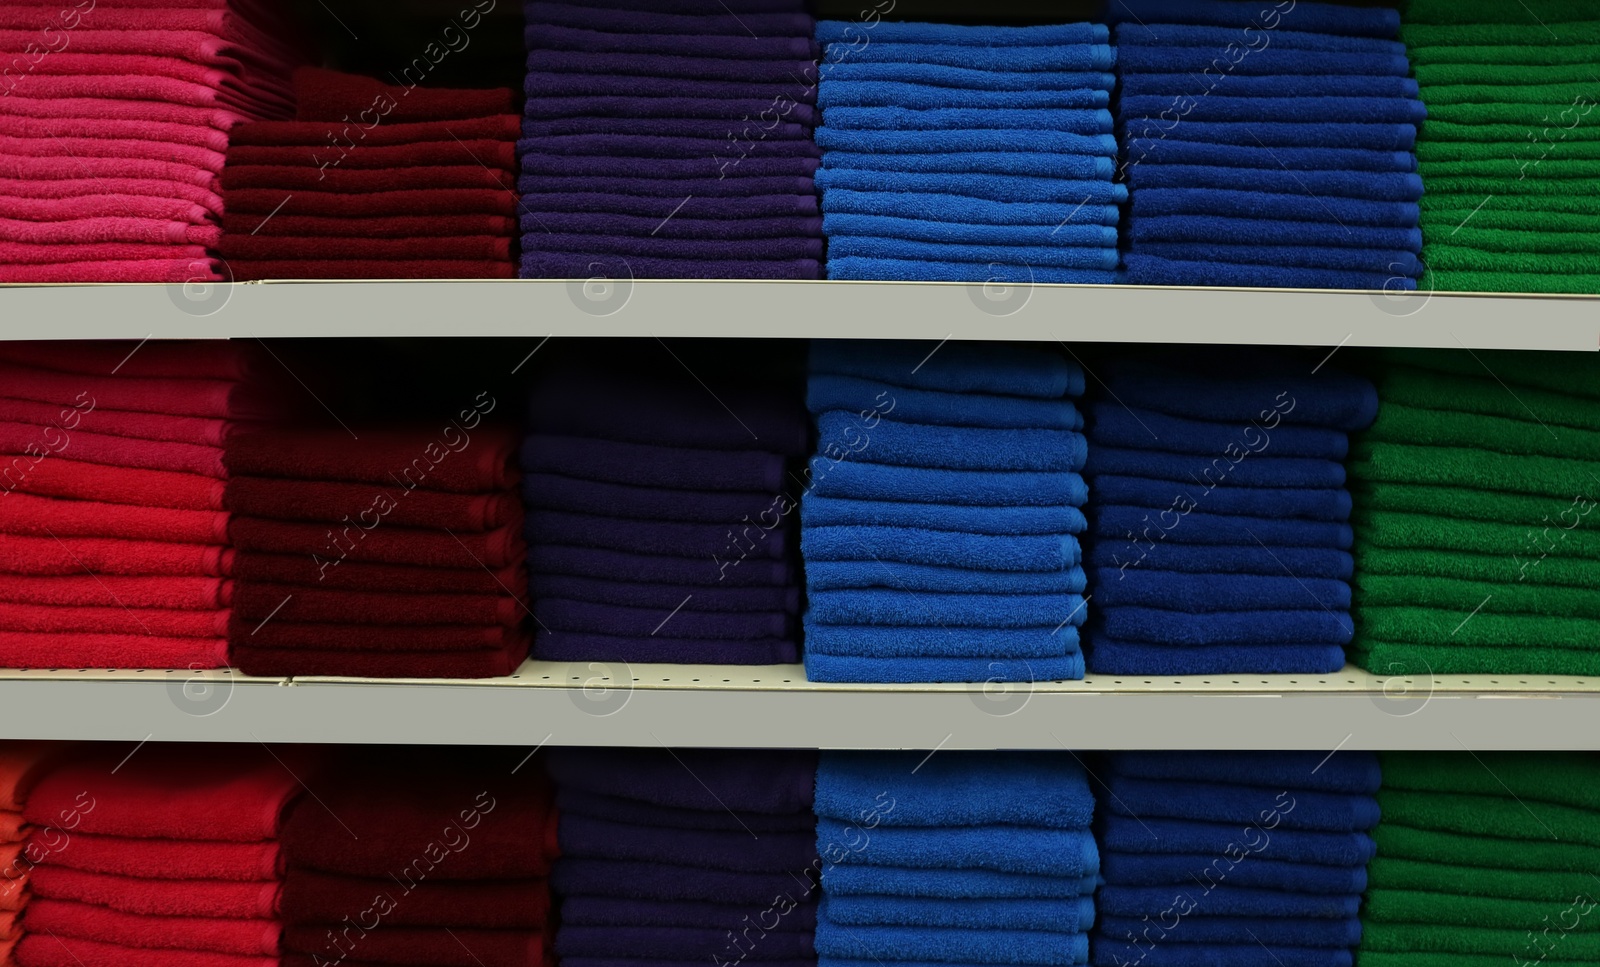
1404,873
726,541
1222,559
1354,772
1197,228
1376,136
157,897
82,921
310,897
1283,110
1307,503
1299,809
358,576
1226,901
456,461
999,38
867,481
179,859
1049,852
957,448
989,273
1294,206
619,809
326,500
1125,835
846,73
1090,144
430,945
1114,521
839,93
1118,425
1216,955
1065,915
558,615
1400,265
942,548
926,943
1175,591
599,911
1072,57
998,188
1111,657
1017,788
1008,236
589,265
1042,643
848,668
1371,185
831,512
960,208
1010,369
652,466
1309,932
866,573
934,407
1058,118
1327,18
661,881
387,545
1328,399
1271,88
1309,625
1219,470
1170,151
1085,258
674,943
1179,868
874,881
571,646
1264,62
712,780
637,595
900,609
742,571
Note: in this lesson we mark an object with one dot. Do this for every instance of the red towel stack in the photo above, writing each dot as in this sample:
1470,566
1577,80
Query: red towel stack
373,181
114,118
427,858
22,765
113,537
169,857
398,554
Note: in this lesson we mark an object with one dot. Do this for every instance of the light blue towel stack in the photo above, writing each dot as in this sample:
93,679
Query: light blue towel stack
954,859
967,154
940,517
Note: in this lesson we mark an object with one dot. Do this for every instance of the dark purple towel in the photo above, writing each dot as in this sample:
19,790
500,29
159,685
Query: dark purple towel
652,146
708,46
687,249
756,206
563,614
671,107
568,84
665,596
802,73
735,133
660,881
679,943
725,542
729,165
579,647
601,911
696,571
715,21
712,8
533,186
653,466
569,223
585,265
714,780
556,492
584,837
580,802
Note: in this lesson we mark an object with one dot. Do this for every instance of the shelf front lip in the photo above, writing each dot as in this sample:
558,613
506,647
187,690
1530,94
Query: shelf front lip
784,309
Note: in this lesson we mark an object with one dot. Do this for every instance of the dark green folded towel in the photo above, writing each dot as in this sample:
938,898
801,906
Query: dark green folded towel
1563,778
1530,189
1493,880
1524,31
1498,568
1528,164
1436,201
1436,426
1525,853
1475,389
1539,244
1543,283
1497,56
1494,11
1538,512
1552,148
1400,658
1436,76
1478,469
1500,816
1457,258
1461,627
1447,906
1575,373
1457,597
1577,94
1380,958
1503,943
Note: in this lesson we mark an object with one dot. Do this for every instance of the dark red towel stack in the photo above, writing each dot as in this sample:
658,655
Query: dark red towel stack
426,858
166,856
398,554
372,181
114,118
113,536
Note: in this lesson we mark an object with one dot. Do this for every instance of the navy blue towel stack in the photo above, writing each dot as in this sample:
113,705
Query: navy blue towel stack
685,859
939,524
1244,859
958,859
968,154
661,516
1267,144
1219,516
670,139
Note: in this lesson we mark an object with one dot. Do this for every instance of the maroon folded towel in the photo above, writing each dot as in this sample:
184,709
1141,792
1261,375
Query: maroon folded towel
361,575
254,602
245,271
443,201
289,638
268,248
462,457
501,154
313,897
362,180
388,226
381,544
281,498
421,945
314,134
275,662
326,95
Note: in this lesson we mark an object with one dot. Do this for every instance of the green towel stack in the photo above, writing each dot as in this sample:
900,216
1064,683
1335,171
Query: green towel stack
1483,861
1477,533
1510,153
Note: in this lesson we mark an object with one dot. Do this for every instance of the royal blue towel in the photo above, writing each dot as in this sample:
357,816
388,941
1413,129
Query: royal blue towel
1303,207
988,139
982,367
961,789
1072,57
1199,593
1111,657
848,72
1226,900
905,609
561,614
1167,869
669,596
876,481
733,570
836,94
617,809
886,32
1199,527
851,668
1220,558
1244,470
559,492
1065,915
1016,521
1332,504
706,779
605,911
885,226
1375,136
1216,802
1371,185
991,273
1076,167
1273,931
957,448
1265,88
1007,849
1045,643
577,646
1290,37
1159,835
1117,425
1391,263
1169,151
1266,391
1307,625
1086,120
1220,955
1087,258
1223,229
958,208
691,944
868,573
1003,188
941,548
952,884
1282,110
728,541
1329,18
652,466
1267,62
1348,772
1150,270
946,944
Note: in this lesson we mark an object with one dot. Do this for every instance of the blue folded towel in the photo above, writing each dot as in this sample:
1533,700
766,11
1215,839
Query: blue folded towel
1149,270
1377,136
881,641
1065,915
1328,398
1347,772
1082,257
946,944
1159,150
827,512
955,448
1006,848
834,94
908,609
1223,229
1216,802
1331,18
1370,185
850,668
1291,37
1155,834
1264,470
972,367
992,273
1071,57
1225,900
942,142
1199,527
1133,59
1079,167
1334,258
1353,212
1272,931
1219,955
1266,88
1199,593
1167,869
1331,504
1115,424
1086,120
935,407
951,884
999,38
958,208
1000,236
962,789
1010,188
1110,657
1309,625
1280,110
876,481
1220,558
835,575
966,78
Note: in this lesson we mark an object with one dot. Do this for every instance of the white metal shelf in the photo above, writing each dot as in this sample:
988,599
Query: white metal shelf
536,308
774,707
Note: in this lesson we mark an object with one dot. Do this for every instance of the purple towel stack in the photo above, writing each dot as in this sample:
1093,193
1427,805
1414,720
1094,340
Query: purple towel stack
670,139
660,525
683,859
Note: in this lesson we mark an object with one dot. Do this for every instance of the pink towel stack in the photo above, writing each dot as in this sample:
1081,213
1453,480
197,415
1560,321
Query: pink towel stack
114,121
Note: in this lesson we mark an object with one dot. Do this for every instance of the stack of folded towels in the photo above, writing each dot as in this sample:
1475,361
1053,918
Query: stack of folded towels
372,181
1268,144
22,766
660,525
672,859
1511,150
393,555
967,858
968,153
670,140
940,518
1219,516
448,871
113,124
1477,551
167,855
1251,859
1483,858
113,530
